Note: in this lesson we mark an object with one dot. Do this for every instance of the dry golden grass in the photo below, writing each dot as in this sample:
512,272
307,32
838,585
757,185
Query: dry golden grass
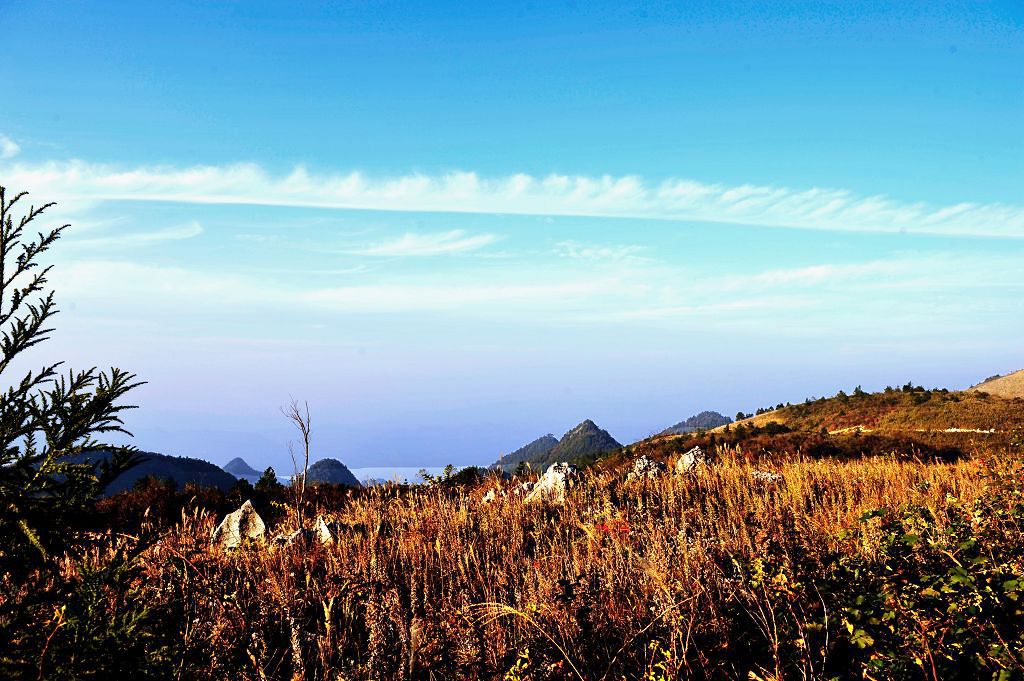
433,583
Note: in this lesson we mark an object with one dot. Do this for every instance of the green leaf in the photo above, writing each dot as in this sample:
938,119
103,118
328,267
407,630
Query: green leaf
861,639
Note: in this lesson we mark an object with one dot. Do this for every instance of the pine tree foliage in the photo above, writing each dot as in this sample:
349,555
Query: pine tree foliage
48,417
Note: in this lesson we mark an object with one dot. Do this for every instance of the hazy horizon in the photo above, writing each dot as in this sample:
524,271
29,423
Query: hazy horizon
453,230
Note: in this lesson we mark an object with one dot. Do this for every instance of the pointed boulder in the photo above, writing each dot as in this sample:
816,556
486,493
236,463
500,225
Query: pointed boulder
323,531
690,461
245,523
552,486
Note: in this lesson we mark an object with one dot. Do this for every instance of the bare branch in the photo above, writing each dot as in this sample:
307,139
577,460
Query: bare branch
299,417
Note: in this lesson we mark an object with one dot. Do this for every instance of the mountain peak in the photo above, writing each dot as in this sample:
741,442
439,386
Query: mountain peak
238,467
706,420
584,440
582,428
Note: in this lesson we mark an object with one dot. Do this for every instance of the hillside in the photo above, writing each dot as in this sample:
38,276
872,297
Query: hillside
907,410
535,451
333,472
911,423
706,420
1009,386
181,469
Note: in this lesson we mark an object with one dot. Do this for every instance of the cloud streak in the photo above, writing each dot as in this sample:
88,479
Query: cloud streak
466,192
577,294
412,244
156,285
188,230
578,251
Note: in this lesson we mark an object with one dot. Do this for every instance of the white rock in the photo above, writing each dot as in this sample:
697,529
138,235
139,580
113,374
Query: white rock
323,532
552,486
491,495
245,523
304,535
766,476
646,468
690,461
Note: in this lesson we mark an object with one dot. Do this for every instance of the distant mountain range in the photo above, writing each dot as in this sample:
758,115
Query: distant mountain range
184,470
706,420
180,469
330,471
586,439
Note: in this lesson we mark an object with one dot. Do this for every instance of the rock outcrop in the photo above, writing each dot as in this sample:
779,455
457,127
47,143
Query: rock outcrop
552,486
766,477
646,468
303,536
323,531
690,461
245,523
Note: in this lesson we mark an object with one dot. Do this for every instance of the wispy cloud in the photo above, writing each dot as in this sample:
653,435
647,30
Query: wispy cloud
466,192
112,280
924,271
8,147
817,275
188,230
902,297
412,244
579,251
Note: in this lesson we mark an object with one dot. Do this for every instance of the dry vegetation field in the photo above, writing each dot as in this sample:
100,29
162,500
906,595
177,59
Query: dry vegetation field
901,411
879,567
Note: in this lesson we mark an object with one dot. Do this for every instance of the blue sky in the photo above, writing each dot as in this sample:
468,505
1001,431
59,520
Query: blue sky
453,229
